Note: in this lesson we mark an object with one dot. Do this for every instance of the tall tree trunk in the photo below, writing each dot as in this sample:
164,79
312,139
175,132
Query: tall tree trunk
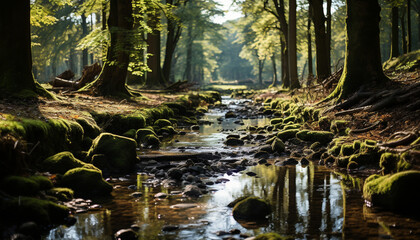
394,33
174,33
273,61
310,64
284,63
409,26
403,33
154,79
72,64
84,33
188,67
112,79
322,67
15,43
329,34
362,64
293,76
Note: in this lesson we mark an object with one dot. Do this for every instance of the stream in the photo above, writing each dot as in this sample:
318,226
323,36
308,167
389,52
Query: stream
308,202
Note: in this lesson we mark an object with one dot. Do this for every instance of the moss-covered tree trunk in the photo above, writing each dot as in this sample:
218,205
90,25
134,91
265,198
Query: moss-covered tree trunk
362,64
394,33
112,79
15,55
322,65
293,75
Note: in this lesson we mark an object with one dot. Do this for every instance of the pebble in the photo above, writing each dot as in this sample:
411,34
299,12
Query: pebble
184,205
136,194
161,195
168,228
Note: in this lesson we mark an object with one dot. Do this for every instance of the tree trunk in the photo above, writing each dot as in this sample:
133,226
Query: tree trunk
362,64
273,61
409,26
260,71
284,63
329,35
403,33
188,68
154,79
293,76
310,64
322,67
112,79
84,33
174,33
15,42
394,33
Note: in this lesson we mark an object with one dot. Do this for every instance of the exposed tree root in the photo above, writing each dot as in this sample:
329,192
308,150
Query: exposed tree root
366,129
409,137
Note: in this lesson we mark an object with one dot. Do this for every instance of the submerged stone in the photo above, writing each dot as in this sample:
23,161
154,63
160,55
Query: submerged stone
251,208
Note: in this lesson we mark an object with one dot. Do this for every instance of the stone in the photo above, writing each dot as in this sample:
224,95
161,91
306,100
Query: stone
234,142
230,114
184,205
136,194
161,195
192,191
62,162
251,208
125,234
169,228
86,182
174,173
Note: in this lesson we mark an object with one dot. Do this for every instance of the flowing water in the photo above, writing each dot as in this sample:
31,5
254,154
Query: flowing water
309,202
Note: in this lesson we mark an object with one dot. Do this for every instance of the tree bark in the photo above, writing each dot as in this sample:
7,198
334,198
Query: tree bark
409,26
84,33
273,61
284,63
328,32
395,52
310,64
154,79
362,64
403,33
293,76
15,42
322,67
112,79
188,68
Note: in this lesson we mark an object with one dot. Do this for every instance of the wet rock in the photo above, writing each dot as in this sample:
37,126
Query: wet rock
235,231
234,142
167,183
230,114
184,205
251,174
259,137
169,228
30,229
262,161
266,148
192,191
62,162
174,173
222,180
262,154
136,194
195,127
304,161
161,195
278,145
251,208
86,182
132,187
125,234
222,233
315,136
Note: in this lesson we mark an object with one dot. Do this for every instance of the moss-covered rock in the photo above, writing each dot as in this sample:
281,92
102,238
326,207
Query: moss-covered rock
315,146
342,161
346,150
275,121
62,162
251,208
324,123
352,165
86,182
25,186
388,162
287,134
339,127
120,123
315,136
357,144
290,119
399,192
277,145
271,236
62,194
132,133
292,126
120,152
160,123
166,131
90,128
177,108
151,141
24,209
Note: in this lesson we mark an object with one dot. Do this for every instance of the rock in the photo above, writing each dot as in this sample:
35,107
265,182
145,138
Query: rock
120,152
398,192
169,228
161,195
126,234
266,148
287,134
315,146
251,208
192,191
262,154
62,194
86,182
195,127
278,146
184,205
235,231
136,194
252,174
234,142
230,114
160,123
62,162
289,161
315,136
222,233
25,186
304,161
174,173
30,229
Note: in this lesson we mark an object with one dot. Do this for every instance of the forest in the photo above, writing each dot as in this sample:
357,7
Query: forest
210,119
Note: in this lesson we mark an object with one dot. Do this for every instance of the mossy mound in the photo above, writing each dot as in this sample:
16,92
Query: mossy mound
119,151
251,208
398,192
132,133
86,182
162,123
339,127
315,136
25,186
406,62
346,150
62,194
275,121
177,108
120,123
324,123
277,145
62,162
392,162
91,129
24,209
287,134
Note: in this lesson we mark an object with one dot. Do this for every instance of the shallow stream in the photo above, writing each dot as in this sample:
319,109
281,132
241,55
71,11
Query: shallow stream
309,202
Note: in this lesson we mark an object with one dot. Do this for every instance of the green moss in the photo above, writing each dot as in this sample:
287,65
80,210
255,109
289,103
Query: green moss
292,126
346,150
356,145
289,119
324,123
370,142
316,114
252,208
388,162
177,108
162,123
365,158
168,130
277,145
90,128
307,113
132,133
342,162
339,127
335,150
397,192
62,162
119,151
368,146
43,182
62,194
271,236
276,121
25,186
315,136
352,165
86,182
143,132
287,134
24,209
151,141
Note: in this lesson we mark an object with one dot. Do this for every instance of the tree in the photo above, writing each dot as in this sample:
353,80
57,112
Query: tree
309,37
409,25
293,77
322,55
111,81
362,64
16,76
394,33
